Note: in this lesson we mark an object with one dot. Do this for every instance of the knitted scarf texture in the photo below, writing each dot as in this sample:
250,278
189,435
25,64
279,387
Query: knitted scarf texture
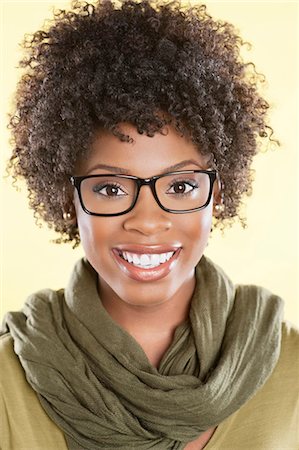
96,383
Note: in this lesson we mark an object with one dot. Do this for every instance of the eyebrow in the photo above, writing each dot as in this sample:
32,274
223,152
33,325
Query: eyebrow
123,171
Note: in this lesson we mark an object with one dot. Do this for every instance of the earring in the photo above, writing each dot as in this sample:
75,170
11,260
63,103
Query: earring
67,216
219,208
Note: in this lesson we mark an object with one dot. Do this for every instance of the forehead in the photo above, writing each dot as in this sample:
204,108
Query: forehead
142,156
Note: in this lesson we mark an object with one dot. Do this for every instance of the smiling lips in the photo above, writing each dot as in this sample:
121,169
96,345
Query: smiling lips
146,263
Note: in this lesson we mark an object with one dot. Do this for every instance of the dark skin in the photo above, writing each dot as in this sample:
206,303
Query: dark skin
150,310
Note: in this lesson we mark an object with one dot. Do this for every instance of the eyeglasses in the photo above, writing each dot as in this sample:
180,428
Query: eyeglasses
175,192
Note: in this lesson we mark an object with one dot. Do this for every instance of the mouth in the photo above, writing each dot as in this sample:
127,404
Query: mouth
146,266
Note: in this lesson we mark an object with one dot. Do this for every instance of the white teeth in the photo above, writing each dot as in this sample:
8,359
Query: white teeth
127,256
163,257
156,259
169,255
135,260
146,260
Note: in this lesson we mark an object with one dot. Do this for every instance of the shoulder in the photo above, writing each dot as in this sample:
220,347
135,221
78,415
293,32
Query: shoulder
12,375
9,360
20,408
280,394
5,344
269,420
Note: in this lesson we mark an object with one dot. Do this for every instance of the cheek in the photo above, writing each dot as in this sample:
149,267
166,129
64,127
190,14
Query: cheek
197,225
87,232
98,235
94,231
197,230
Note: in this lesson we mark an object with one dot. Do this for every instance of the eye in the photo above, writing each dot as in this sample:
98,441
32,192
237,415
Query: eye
183,187
108,190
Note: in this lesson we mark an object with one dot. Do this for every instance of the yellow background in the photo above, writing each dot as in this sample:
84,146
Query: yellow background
266,253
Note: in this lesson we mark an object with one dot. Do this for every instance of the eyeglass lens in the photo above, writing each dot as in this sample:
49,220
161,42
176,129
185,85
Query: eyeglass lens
113,195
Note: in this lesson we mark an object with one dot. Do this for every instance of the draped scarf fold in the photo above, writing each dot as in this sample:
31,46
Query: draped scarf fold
96,383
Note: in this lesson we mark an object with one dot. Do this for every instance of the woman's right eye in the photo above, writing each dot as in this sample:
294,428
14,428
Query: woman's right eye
108,190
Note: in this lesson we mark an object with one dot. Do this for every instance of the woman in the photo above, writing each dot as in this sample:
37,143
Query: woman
135,128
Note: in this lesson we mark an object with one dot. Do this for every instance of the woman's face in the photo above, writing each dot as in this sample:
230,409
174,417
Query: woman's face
146,225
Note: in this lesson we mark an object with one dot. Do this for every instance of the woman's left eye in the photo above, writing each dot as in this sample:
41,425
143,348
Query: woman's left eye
180,187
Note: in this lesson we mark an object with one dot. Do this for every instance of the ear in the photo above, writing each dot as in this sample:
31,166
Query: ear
69,215
217,191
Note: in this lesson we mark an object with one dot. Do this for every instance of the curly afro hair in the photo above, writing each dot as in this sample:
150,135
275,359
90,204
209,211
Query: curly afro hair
97,65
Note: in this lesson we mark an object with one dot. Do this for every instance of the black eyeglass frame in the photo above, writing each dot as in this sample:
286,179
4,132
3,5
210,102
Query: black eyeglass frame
76,182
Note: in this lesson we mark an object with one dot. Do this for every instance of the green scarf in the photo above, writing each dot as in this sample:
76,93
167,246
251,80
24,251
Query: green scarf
97,384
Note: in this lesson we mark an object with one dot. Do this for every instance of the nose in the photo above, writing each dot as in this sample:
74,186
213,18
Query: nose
147,217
